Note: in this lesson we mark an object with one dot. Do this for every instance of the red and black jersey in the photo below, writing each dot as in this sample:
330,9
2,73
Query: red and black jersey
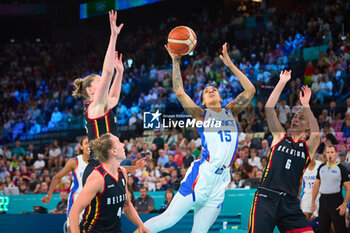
285,166
96,127
104,211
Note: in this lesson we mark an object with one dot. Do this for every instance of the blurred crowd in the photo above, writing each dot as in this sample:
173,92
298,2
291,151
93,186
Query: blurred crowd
37,85
37,76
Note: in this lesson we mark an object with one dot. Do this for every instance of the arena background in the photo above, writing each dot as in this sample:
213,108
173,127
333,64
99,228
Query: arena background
45,45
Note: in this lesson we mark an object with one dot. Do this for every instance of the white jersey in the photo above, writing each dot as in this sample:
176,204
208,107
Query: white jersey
309,178
77,184
219,144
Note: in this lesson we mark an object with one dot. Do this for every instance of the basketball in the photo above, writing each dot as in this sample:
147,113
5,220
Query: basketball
182,40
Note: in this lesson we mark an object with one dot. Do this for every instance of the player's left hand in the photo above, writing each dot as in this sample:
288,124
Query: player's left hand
342,209
118,62
141,163
115,30
304,99
225,57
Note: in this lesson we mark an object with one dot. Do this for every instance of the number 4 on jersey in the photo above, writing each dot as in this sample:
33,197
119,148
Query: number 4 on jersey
119,214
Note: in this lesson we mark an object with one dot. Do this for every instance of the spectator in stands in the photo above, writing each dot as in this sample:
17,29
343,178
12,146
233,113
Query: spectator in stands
342,157
154,151
348,105
333,111
132,184
133,154
54,155
162,159
145,150
174,180
25,174
35,127
163,184
6,152
172,139
317,85
56,117
23,188
153,175
44,187
178,158
195,152
326,90
40,163
145,203
61,207
263,161
346,129
254,160
236,181
169,195
34,184
18,150
4,173
158,140
169,166
264,148
187,159
283,112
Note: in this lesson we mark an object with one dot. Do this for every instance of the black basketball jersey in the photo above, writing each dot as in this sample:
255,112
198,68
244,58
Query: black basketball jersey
104,211
96,127
285,166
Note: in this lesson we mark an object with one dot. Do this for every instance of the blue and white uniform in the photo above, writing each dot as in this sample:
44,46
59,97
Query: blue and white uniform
206,179
77,184
309,178
219,145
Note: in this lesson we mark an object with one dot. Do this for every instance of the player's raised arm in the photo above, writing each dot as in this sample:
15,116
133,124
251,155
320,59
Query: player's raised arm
315,136
114,93
187,103
100,97
243,99
273,122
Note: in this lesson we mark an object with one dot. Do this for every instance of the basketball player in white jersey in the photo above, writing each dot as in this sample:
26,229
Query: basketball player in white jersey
77,166
206,180
309,178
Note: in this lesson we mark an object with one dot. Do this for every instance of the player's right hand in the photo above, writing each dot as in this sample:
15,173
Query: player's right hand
173,56
313,206
46,199
285,75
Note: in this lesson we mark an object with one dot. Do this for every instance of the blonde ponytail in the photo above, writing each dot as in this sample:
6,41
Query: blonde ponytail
81,85
101,147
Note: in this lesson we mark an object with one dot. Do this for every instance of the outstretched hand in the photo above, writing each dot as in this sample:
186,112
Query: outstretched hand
115,30
173,56
118,62
285,75
304,99
225,57
141,163
46,199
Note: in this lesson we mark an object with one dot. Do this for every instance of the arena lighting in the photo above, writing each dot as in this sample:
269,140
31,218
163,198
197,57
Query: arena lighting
38,40
100,7
12,40
256,0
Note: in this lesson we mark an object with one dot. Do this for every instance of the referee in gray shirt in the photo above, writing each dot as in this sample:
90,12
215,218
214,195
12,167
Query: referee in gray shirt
330,179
